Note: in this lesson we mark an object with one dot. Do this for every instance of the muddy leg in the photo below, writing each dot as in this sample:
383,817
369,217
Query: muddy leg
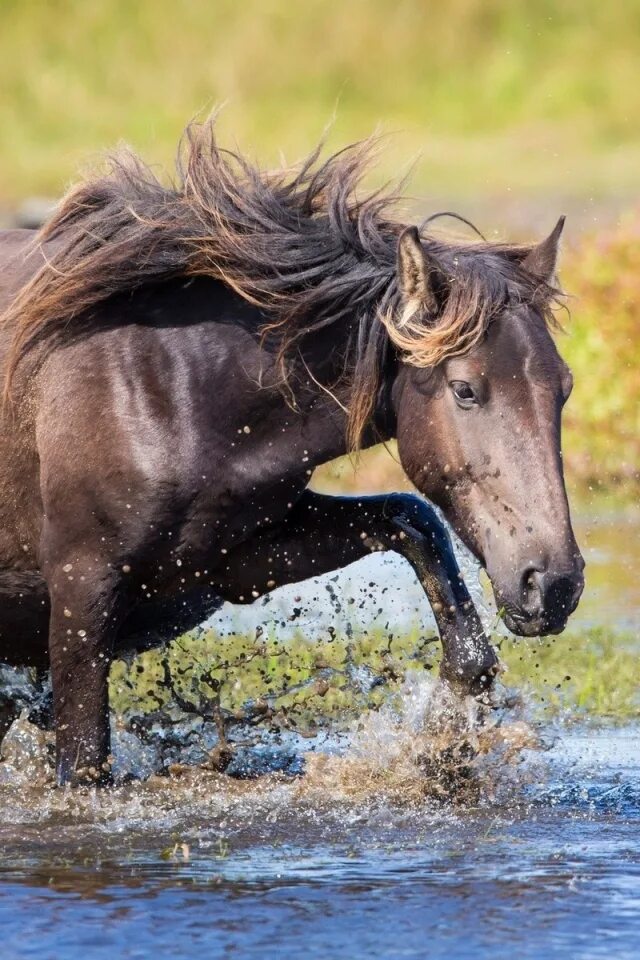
324,533
80,646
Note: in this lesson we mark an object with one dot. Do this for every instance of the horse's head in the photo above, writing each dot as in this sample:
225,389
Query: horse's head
479,431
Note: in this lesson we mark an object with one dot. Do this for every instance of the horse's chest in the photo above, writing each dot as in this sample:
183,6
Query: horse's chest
241,485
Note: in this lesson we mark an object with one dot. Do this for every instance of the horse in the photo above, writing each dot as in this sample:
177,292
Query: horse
179,357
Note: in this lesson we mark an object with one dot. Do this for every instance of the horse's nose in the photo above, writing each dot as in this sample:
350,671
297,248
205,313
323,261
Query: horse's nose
552,596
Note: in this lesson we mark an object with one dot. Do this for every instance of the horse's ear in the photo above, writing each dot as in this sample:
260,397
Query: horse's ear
543,259
415,270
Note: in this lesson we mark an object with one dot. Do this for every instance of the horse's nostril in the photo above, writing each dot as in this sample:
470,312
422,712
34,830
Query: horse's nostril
547,598
559,595
531,586
552,594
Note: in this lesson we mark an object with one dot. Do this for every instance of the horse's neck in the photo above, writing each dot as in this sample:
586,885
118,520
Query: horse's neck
324,388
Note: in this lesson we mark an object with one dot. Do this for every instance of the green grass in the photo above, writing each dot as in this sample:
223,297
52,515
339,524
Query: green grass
592,674
302,683
497,95
303,686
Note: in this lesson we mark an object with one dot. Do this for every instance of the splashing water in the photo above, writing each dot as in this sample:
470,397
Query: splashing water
424,744
383,832
394,816
381,739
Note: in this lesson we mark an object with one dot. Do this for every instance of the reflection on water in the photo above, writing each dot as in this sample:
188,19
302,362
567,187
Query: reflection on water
555,873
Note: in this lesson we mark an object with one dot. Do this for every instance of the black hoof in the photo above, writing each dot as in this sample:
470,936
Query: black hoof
472,678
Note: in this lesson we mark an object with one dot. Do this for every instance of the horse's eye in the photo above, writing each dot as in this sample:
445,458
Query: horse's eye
464,393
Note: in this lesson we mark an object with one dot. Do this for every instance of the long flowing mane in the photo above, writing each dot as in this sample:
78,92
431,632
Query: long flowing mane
306,245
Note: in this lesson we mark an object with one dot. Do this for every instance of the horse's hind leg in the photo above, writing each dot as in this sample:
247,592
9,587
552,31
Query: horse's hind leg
81,631
324,533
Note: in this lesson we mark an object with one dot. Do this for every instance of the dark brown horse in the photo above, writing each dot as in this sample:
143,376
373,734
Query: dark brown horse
177,362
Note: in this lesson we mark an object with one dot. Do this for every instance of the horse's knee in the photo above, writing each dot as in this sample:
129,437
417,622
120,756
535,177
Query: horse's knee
420,520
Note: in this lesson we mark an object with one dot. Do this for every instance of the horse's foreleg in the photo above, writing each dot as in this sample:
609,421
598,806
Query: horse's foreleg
324,533
468,657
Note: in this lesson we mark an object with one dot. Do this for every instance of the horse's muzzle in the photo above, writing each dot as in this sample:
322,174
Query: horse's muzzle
548,600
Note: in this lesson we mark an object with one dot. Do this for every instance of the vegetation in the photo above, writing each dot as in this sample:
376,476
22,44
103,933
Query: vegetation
592,674
497,95
602,346
301,686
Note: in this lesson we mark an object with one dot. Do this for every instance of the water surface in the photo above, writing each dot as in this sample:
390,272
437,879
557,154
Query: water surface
555,873
543,862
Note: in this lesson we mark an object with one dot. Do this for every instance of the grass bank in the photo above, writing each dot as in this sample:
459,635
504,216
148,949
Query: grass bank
305,687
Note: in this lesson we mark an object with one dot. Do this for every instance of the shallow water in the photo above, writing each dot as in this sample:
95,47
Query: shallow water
542,859
555,871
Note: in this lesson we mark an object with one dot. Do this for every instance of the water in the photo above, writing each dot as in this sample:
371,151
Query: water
435,829
259,871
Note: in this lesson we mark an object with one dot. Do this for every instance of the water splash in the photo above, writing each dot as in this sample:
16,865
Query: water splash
424,745
428,744
26,756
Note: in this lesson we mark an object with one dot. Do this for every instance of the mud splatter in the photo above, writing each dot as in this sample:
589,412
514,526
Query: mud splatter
423,746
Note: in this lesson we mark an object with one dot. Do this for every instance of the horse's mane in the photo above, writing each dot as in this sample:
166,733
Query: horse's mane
306,245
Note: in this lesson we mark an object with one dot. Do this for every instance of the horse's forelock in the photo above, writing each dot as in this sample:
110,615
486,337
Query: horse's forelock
480,281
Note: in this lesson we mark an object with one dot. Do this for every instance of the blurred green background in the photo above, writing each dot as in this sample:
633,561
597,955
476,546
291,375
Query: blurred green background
513,111
496,95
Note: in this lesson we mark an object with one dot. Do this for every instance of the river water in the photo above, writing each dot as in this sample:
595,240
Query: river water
529,850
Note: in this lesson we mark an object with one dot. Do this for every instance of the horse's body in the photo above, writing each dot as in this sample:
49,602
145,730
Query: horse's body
152,465
193,461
